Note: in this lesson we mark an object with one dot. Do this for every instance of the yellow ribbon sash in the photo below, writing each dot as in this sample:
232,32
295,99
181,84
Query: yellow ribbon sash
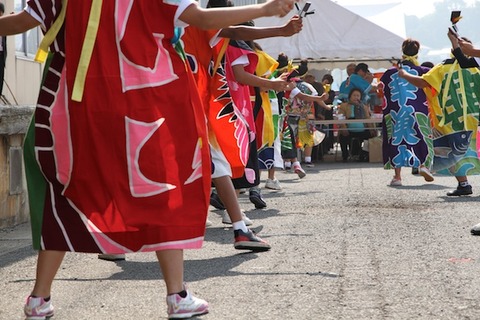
87,48
50,36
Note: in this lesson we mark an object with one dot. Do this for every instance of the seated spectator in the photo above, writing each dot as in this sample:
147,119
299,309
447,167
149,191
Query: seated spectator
355,109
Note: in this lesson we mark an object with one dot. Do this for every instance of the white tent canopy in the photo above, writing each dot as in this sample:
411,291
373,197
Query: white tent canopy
382,14
334,37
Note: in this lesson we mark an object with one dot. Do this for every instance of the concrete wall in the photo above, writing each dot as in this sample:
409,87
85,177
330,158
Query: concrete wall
13,189
22,83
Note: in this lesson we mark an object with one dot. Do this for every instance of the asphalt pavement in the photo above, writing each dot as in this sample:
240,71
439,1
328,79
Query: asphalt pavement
345,245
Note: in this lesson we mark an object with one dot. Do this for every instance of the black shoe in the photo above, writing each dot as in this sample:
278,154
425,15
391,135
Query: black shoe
475,230
363,157
256,198
414,170
216,202
249,241
111,257
460,191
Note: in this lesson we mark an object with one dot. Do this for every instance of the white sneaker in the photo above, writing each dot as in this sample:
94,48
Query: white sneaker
396,182
273,184
298,170
37,308
183,308
208,223
226,219
426,174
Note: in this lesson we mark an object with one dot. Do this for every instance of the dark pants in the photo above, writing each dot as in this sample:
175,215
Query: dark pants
353,142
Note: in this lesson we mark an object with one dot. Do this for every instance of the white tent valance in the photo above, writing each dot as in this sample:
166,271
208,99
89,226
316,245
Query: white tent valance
334,36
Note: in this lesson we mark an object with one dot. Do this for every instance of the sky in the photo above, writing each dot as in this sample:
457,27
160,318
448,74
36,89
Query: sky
391,15
390,19
419,8
410,7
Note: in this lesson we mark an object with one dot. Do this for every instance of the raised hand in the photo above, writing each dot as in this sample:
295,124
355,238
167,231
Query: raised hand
293,26
453,39
467,47
279,84
278,7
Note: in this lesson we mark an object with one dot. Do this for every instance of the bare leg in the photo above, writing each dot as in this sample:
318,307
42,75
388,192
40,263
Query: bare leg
229,196
48,262
398,175
171,264
271,173
307,151
308,156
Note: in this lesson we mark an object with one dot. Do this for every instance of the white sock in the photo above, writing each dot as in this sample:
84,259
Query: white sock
464,183
288,164
240,225
296,163
308,159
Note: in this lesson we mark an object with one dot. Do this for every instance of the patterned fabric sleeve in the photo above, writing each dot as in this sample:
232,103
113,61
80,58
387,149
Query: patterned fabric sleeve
48,10
434,77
